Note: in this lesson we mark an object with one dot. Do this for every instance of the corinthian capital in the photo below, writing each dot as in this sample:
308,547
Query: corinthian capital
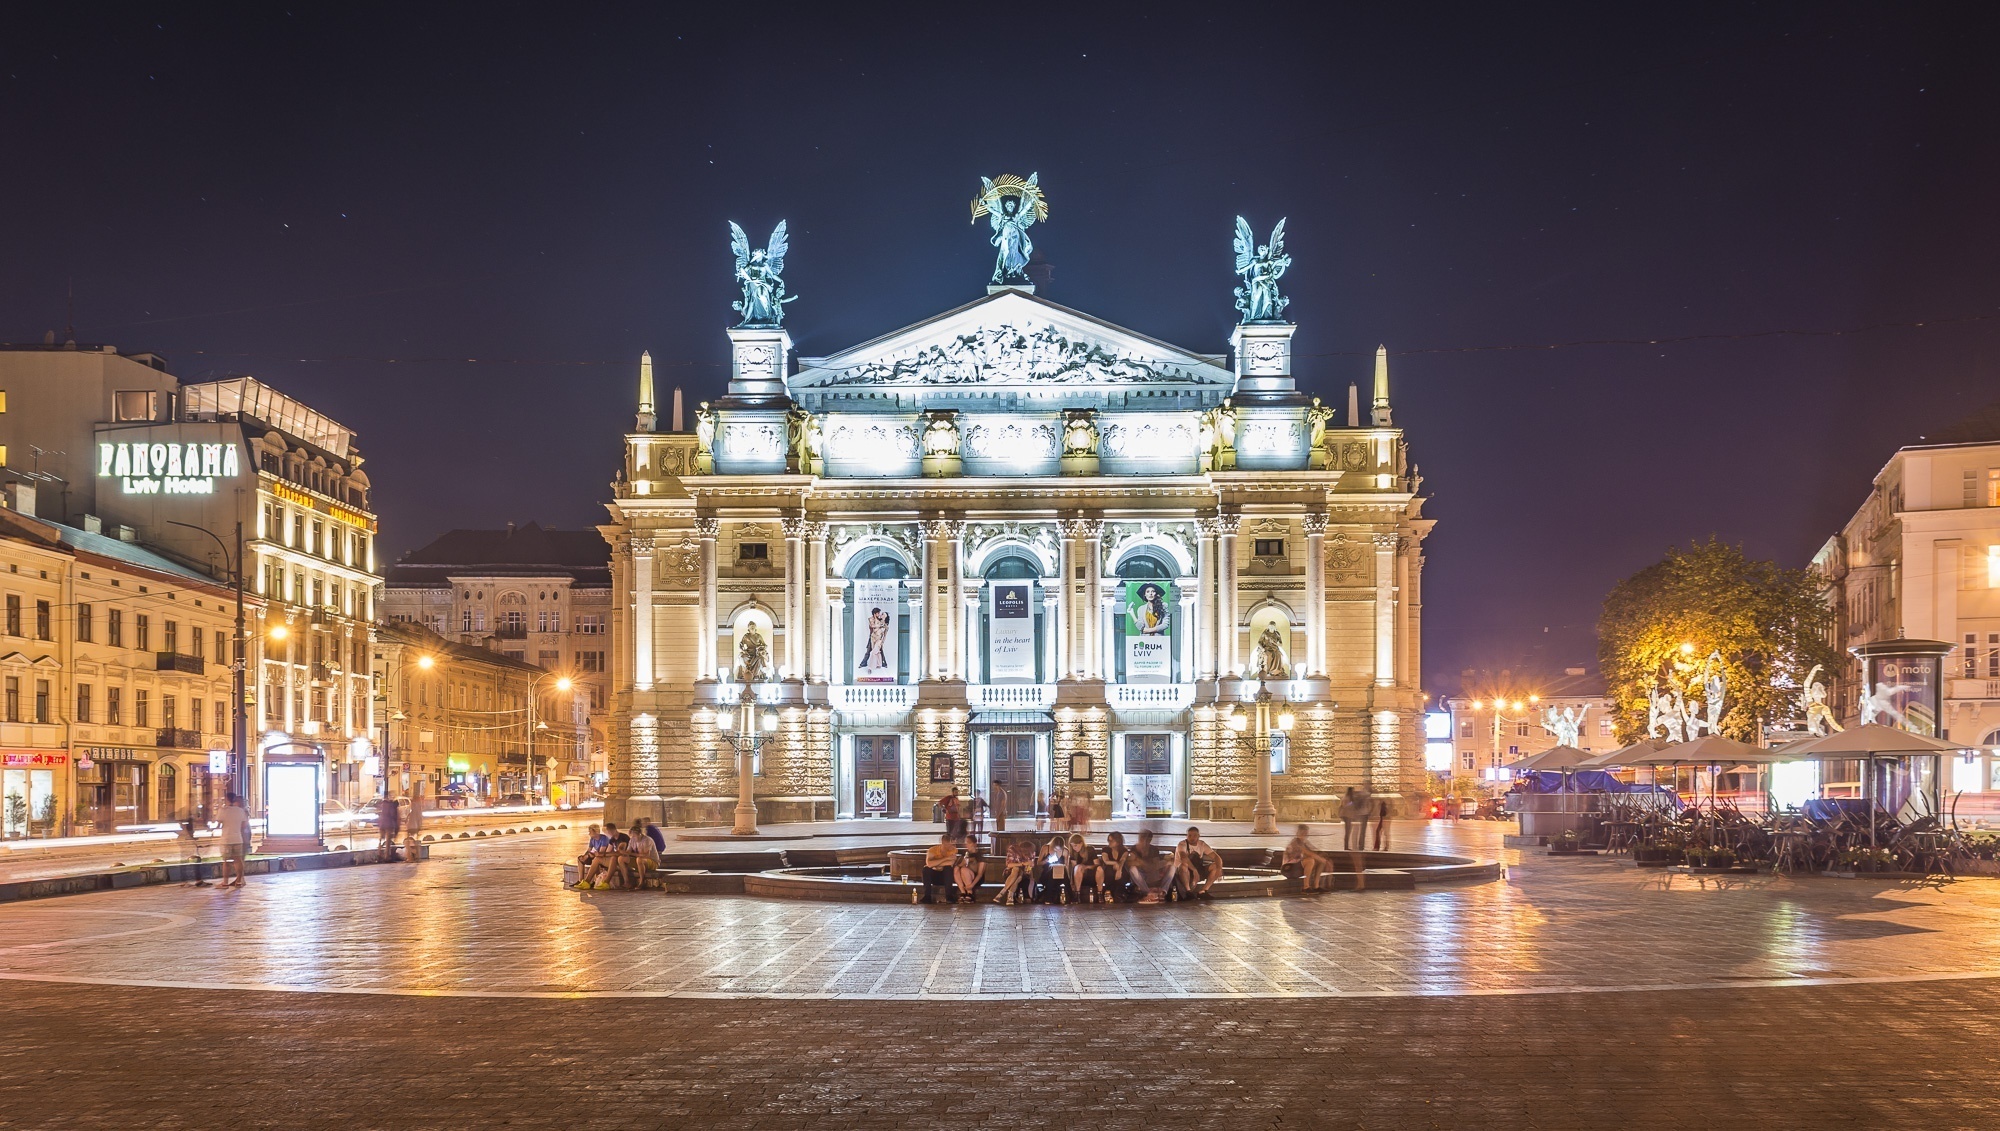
1387,541
1314,523
707,526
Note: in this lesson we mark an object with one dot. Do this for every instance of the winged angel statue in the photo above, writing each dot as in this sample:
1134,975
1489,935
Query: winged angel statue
759,271
1261,268
1012,206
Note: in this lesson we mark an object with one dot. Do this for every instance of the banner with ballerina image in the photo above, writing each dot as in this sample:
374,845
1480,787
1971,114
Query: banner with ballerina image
876,614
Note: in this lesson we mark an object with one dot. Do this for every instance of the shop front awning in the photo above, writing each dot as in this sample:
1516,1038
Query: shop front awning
1011,720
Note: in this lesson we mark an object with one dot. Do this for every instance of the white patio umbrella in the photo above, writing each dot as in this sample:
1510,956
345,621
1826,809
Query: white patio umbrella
1869,743
1622,756
1554,758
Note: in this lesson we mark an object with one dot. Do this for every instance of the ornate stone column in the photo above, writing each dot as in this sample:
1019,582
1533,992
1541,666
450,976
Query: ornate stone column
1227,658
836,638
1051,630
1385,610
1206,615
795,595
960,624
1093,549
1315,526
707,528
936,591
1186,658
1069,662
820,657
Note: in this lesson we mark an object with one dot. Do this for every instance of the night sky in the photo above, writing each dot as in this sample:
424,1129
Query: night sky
354,204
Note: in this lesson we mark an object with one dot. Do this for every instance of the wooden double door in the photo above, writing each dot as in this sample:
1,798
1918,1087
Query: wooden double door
878,773
1011,762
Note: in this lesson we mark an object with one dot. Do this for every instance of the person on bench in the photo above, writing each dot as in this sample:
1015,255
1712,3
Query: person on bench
1151,869
938,862
1055,882
969,872
1118,865
1087,869
1196,865
645,859
1301,860
586,863
1017,882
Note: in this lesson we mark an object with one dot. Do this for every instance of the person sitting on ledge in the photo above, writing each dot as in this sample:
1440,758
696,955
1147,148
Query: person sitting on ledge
645,858
585,862
1302,861
1054,883
1086,869
608,868
1196,865
1117,867
938,861
1149,869
1015,883
969,872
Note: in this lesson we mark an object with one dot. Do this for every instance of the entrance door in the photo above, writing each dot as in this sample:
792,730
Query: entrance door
878,766
1149,774
1012,758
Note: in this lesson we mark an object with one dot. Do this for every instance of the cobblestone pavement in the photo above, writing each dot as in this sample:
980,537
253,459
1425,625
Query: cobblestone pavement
492,919
473,991
1871,1056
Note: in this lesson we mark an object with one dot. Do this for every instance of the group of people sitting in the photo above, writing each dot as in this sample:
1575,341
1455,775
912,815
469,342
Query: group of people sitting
1071,870
616,859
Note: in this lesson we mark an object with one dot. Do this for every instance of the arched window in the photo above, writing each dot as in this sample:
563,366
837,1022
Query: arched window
1010,622
1146,631
876,586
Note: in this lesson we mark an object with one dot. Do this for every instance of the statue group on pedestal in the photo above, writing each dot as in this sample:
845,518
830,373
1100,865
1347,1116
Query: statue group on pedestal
759,272
1676,715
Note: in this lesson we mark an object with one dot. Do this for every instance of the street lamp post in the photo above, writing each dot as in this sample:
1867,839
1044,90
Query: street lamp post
746,731
239,736
562,683
1261,725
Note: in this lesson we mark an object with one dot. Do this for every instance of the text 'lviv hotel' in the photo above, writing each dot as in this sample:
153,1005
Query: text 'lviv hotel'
1015,550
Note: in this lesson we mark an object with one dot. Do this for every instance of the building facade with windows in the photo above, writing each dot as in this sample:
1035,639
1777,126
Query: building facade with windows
535,595
213,475
1512,718
464,718
115,681
1013,550
1920,560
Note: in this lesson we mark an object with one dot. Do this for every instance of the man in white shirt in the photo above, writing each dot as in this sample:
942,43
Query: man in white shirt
235,839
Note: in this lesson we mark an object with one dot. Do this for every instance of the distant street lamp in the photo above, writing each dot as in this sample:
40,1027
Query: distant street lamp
1261,726
746,731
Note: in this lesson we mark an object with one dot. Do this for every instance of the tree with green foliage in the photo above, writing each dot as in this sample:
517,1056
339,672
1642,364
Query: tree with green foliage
1660,627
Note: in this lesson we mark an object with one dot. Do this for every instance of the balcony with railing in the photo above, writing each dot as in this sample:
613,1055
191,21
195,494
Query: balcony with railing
511,631
1150,696
871,696
176,739
1012,696
1974,689
176,662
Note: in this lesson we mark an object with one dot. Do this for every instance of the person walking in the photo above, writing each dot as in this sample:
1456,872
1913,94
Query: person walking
235,839
1041,810
388,827
999,808
1381,824
1350,806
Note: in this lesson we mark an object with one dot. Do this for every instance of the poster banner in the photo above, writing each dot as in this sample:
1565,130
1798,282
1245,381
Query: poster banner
875,619
875,795
1149,644
1010,637
1903,691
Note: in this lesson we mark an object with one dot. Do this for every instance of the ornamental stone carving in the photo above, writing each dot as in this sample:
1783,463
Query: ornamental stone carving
681,561
1017,439
1039,537
852,439
1354,455
1313,523
1007,354
901,535
1149,439
1121,536
1343,558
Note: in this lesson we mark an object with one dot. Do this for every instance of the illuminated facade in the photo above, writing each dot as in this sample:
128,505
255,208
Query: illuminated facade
1015,550
1920,560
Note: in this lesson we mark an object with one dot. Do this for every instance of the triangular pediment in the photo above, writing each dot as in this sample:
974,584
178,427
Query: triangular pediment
1011,339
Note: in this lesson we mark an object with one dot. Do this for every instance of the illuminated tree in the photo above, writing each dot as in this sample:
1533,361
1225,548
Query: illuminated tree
1768,625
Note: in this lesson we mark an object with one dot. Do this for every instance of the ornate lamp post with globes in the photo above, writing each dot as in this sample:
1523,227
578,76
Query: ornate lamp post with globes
1261,725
